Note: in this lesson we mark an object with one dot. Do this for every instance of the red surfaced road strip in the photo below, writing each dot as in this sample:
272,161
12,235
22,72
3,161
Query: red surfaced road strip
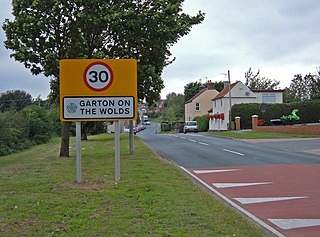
299,183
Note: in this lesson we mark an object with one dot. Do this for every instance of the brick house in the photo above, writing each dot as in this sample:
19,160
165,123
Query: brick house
200,103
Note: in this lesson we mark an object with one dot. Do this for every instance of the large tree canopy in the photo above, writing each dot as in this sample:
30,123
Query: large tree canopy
43,32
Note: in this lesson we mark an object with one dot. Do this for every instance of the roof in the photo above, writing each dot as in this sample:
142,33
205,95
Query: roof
258,90
225,91
196,95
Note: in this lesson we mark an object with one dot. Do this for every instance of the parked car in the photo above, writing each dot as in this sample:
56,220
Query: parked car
190,126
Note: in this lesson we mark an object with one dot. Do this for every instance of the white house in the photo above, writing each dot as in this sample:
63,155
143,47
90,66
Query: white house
238,94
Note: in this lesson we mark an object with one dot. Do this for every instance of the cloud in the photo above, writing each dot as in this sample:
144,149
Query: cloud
278,37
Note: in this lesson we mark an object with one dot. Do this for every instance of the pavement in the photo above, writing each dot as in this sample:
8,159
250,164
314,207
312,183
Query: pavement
306,145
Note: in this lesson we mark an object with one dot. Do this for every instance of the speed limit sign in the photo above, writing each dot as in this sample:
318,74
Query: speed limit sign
98,89
98,76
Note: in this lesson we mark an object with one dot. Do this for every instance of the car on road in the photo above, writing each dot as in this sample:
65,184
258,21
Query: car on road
190,126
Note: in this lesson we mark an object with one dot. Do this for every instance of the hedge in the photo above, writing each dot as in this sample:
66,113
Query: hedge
309,112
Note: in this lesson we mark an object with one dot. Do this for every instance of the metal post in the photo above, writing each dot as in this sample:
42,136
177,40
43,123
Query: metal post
117,151
229,100
78,151
131,136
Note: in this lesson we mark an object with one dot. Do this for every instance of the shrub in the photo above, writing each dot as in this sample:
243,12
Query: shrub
40,124
203,123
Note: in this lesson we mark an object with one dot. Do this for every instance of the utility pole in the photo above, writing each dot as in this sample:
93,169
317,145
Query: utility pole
229,100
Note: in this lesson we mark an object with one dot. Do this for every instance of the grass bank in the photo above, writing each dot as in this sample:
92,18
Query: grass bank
38,196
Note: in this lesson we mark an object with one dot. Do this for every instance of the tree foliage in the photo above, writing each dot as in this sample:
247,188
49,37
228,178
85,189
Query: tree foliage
191,89
174,107
304,88
254,81
14,99
43,32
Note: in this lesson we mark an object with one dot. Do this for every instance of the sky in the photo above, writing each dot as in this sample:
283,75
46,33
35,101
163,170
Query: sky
280,38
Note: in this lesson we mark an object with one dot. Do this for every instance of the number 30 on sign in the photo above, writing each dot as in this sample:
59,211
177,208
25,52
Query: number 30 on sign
98,76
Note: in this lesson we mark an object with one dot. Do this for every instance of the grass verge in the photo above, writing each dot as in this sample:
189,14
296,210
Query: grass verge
39,196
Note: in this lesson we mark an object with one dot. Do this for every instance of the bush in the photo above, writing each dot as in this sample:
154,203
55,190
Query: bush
20,130
40,124
203,123
14,132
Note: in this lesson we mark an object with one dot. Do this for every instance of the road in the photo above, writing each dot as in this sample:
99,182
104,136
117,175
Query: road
276,186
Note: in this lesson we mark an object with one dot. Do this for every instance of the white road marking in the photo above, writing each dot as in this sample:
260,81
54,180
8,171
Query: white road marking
202,143
191,140
245,212
234,152
213,171
266,199
233,185
288,224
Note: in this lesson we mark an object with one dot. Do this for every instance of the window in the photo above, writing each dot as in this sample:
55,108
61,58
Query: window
268,98
215,103
197,106
221,102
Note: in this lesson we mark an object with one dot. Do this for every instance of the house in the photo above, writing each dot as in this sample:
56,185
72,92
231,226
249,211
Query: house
200,103
237,93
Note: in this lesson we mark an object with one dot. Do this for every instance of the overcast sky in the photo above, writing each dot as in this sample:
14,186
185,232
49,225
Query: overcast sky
279,37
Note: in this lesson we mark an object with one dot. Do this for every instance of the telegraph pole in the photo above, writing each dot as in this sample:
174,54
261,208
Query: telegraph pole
229,100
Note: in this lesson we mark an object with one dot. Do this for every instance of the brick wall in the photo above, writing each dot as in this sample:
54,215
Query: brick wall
308,129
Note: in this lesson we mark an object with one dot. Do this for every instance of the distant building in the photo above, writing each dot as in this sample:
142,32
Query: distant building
240,94
200,103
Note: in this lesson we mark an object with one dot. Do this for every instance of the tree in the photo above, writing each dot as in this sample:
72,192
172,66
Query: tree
191,89
315,86
219,86
174,107
254,81
15,99
43,32
307,87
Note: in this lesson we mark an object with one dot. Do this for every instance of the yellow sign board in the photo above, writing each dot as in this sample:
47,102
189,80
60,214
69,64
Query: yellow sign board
98,89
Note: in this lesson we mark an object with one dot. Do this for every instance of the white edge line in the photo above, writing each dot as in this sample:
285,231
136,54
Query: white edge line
248,214
191,140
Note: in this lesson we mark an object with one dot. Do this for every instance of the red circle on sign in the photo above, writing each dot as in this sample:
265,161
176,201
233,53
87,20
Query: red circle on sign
98,76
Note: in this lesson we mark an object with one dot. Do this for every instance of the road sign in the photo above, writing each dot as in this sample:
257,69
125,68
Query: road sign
98,76
98,89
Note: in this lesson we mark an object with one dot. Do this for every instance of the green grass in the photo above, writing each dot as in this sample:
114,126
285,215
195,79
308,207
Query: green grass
256,135
39,196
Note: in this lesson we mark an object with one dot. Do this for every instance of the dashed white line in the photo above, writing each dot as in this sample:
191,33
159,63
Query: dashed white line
191,140
202,143
234,152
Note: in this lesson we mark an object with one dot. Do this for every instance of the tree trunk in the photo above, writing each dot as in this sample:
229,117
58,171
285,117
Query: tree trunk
84,131
64,149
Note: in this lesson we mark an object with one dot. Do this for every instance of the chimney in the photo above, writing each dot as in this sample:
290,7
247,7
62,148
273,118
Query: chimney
210,85
226,84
